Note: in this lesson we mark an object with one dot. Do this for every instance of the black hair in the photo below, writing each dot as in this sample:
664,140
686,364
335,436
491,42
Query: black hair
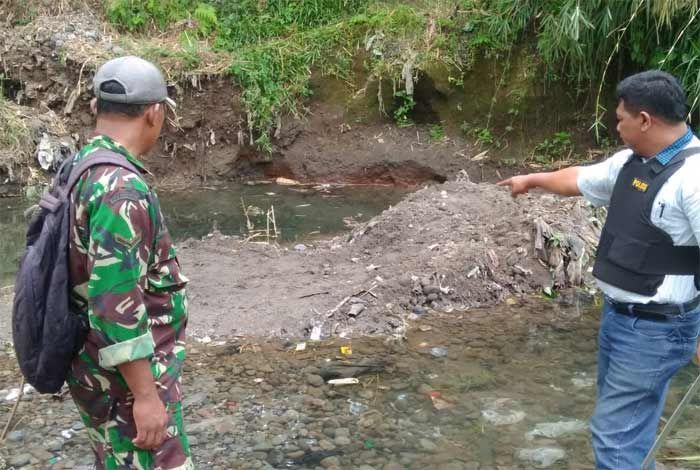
110,107
656,92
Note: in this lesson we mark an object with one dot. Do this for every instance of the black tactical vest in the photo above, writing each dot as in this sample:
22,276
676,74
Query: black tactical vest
633,254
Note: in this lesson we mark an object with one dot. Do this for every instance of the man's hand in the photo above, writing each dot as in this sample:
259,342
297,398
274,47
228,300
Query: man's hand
150,416
519,184
151,421
563,182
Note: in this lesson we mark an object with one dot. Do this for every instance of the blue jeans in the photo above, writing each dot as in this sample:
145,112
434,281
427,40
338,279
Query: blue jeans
636,360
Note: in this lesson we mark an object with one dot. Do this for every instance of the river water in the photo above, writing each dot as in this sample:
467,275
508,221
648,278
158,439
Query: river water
510,387
300,213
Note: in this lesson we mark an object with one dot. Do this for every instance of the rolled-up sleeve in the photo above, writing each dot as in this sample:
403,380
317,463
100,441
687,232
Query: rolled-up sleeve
596,182
121,237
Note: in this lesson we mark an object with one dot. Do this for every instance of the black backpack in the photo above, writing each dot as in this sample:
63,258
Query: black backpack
47,329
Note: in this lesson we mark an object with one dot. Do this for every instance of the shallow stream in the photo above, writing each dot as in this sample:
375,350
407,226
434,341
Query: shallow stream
299,213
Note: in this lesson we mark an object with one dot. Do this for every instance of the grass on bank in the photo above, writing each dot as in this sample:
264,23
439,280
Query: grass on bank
272,45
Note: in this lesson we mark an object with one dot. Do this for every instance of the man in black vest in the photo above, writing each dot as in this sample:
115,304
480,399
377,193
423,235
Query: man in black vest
647,262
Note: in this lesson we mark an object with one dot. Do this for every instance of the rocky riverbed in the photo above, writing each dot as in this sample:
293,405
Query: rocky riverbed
504,388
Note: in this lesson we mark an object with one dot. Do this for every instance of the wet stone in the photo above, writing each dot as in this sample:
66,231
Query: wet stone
20,460
342,441
330,462
77,426
315,380
15,436
427,445
54,445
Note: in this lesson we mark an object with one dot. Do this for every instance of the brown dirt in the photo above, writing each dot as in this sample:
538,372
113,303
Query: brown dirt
49,63
444,248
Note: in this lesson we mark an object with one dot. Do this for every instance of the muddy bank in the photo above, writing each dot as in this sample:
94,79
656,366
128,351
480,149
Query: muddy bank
49,64
447,248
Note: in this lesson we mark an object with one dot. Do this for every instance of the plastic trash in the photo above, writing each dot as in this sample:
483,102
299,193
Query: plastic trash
347,381
315,333
356,408
501,412
14,393
438,352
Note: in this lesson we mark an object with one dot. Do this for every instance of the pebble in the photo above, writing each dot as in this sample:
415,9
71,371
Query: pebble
15,436
54,445
427,445
330,462
315,380
78,425
20,460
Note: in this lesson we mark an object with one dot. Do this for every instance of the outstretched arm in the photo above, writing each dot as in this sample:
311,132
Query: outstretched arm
562,182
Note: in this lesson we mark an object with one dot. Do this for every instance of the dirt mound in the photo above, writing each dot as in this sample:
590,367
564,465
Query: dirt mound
445,248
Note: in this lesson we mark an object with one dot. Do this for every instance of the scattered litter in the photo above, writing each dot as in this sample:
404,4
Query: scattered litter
501,412
346,381
438,352
300,347
300,247
315,333
67,433
356,408
303,205
259,380
286,181
372,267
203,339
270,194
14,393
425,328
346,350
443,194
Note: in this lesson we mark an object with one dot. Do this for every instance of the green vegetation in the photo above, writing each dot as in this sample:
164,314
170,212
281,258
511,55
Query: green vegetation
404,106
273,45
437,132
558,147
580,41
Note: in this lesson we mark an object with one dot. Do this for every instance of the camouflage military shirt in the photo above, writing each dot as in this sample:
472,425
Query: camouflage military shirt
125,274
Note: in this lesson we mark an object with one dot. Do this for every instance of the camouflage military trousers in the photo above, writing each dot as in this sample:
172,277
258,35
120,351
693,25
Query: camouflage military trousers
111,429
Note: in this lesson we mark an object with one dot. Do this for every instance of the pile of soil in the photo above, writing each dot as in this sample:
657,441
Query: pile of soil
445,248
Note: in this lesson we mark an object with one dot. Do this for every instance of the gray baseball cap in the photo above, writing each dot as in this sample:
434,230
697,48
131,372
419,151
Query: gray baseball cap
142,81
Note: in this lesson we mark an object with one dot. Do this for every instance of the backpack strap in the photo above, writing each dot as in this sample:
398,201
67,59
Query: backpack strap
98,157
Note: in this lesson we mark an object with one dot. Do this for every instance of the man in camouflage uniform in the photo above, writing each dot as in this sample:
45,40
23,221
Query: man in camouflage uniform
126,277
